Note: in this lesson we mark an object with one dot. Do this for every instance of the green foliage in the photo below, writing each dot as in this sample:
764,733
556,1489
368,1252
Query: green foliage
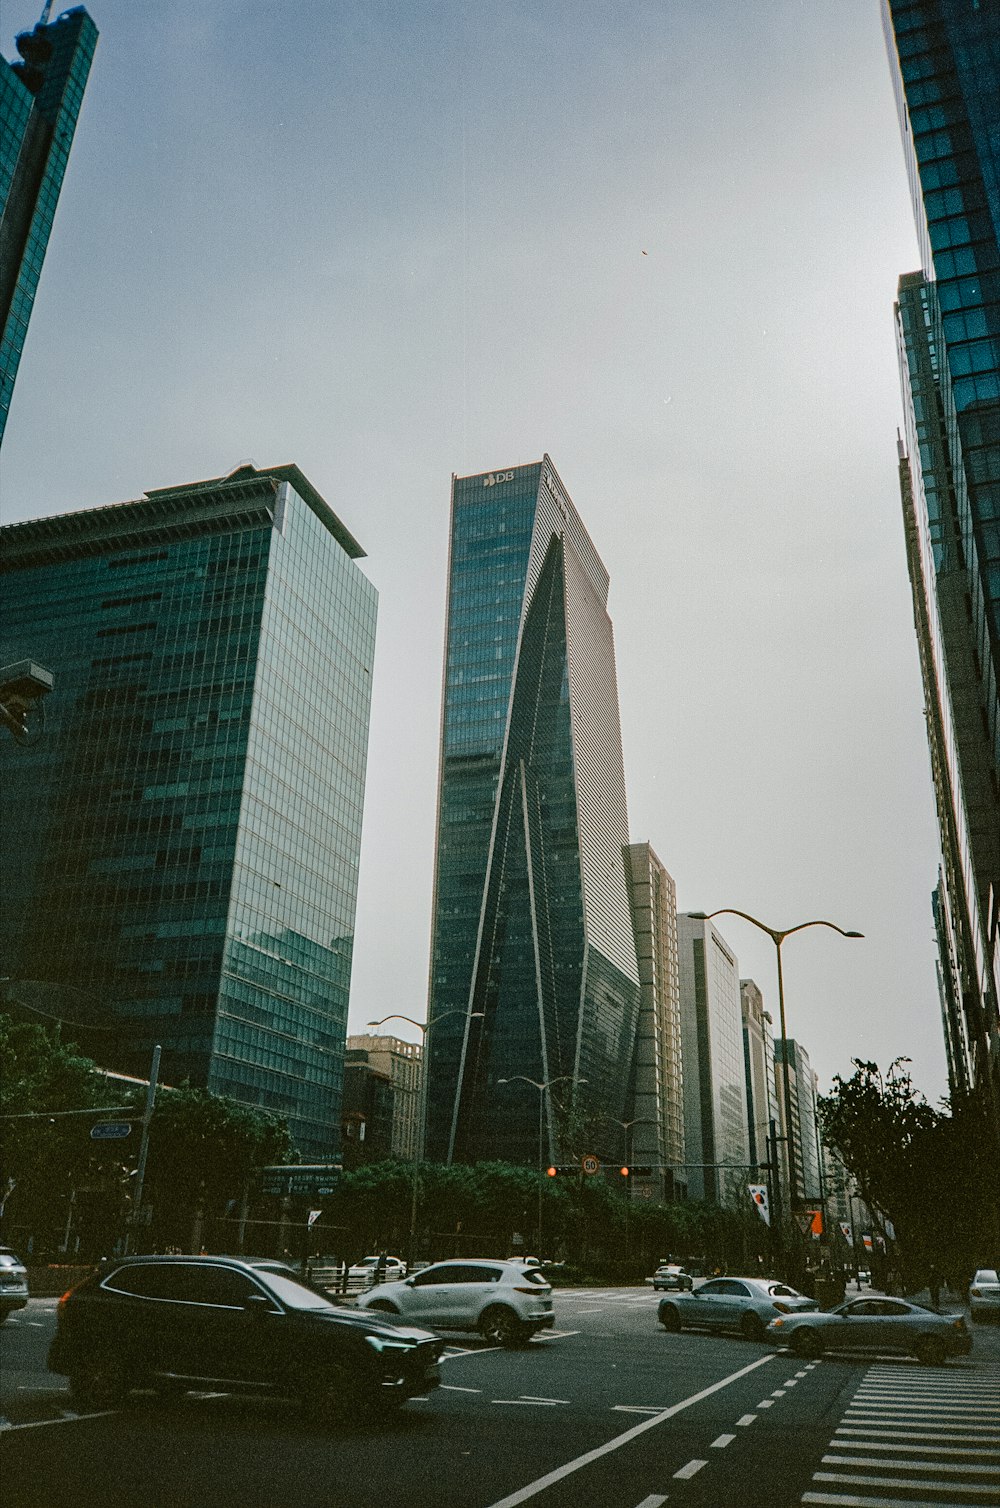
204,1148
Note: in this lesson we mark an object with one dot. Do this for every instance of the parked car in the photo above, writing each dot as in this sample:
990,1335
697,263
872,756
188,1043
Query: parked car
13,1283
984,1295
874,1324
395,1268
743,1304
173,1323
505,1302
670,1276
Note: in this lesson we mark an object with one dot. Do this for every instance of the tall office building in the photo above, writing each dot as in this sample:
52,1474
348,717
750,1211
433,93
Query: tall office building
40,98
401,1063
758,1061
715,1094
803,1115
180,845
656,1135
945,61
533,965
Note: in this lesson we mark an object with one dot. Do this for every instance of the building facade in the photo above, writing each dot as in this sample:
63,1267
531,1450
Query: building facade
802,1126
715,1096
533,968
758,1062
366,1113
402,1064
40,98
945,63
181,843
656,1135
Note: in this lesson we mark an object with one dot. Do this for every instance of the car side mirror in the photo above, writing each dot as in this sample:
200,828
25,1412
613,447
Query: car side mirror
409,1282
258,1305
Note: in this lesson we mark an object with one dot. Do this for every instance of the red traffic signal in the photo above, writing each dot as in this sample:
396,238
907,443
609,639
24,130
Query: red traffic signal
551,1172
624,1172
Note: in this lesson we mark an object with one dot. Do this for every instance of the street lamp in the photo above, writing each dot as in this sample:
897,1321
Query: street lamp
541,1087
778,938
424,1028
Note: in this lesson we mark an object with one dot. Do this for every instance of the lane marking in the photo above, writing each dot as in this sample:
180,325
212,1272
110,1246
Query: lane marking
457,1355
953,1466
722,1442
747,1419
689,1470
905,1434
778,1393
533,1398
67,1418
653,1501
800,1374
451,1387
916,1483
556,1334
792,1382
900,1419
851,1500
918,1447
637,1408
532,1489
766,1403
531,1403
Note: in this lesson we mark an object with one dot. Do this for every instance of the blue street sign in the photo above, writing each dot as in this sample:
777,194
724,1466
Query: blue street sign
109,1130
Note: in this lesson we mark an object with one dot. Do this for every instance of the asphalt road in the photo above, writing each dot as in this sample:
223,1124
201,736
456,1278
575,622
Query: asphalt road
607,1410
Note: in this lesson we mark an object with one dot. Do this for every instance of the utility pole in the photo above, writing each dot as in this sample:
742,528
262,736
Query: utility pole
147,1116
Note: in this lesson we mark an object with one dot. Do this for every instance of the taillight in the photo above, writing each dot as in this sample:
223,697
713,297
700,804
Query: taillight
781,1308
975,1293
535,1289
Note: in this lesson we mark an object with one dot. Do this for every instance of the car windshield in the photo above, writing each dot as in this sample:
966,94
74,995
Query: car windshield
8,1259
294,1295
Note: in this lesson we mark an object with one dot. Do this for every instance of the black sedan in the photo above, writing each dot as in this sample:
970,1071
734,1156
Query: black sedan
174,1323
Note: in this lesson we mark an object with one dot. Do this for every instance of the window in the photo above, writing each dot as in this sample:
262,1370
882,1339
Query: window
432,1275
713,1290
475,1274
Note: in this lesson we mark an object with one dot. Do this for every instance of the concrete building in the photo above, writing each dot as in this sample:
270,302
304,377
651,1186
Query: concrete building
657,1136
181,845
758,1060
804,1125
533,965
40,98
716,1135
401,1064
367,1111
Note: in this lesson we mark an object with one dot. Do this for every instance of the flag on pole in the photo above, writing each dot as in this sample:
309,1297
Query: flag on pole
846,1232
867,1242
758,1193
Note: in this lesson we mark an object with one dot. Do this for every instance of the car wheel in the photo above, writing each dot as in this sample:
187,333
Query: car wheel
752,1327
670,1318
100,1383
930,1350
806,1342
502,1326
383,1306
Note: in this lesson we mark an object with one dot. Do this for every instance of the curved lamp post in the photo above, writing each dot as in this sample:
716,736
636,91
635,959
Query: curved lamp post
424,1027
520,1078
778,937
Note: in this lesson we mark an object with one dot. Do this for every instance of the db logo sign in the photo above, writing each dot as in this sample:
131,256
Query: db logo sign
590,1164
494,478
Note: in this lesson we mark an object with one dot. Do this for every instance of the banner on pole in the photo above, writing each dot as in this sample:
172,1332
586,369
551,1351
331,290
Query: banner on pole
758,1193
314,1216
866,1241
846,1232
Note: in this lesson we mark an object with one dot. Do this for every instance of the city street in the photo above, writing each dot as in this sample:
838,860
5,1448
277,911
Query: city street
607,1409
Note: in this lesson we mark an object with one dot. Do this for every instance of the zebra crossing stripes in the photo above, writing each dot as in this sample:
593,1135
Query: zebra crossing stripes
927,1439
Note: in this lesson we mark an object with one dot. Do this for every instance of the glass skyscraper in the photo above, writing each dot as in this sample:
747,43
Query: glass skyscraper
945,60
40,98
181,840
533,963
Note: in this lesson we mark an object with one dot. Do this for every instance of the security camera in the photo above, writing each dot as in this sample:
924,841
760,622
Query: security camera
22,687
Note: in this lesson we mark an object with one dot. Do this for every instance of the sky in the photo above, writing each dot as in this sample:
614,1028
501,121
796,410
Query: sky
658,240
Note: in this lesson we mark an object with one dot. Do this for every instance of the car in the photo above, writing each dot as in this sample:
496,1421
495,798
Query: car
367,1268
670,1276
984,1295
504,1301
874,1324
173,1323
13,1283
743,1304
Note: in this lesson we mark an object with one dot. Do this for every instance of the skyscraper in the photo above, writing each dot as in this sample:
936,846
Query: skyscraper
945,61
40,98
657,1098
715,1093
533,964
758,1058
803,1112
180,845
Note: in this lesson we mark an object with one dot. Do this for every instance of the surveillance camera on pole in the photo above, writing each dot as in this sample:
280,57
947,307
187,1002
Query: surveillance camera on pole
23,686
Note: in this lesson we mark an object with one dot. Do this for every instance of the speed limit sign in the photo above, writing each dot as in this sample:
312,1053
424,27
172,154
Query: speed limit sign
590,1164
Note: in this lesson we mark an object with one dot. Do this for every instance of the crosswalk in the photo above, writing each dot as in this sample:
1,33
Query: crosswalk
927,1437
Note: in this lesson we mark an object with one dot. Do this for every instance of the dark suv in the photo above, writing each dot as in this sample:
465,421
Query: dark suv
173,1323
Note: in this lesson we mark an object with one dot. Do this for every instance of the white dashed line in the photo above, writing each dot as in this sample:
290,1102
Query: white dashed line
654,1500
722,1442
766,1403
450,1387
747,1419
690,1469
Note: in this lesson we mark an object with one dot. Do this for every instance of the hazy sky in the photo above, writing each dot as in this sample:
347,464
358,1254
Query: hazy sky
658,239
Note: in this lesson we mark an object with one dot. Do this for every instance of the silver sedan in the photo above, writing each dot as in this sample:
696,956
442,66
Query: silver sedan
875,1324
743,1304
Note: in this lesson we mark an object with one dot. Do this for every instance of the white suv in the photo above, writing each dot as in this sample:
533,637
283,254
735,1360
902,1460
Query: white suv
505,1301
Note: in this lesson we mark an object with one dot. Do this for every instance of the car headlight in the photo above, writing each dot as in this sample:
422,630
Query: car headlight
382,1343
777,1323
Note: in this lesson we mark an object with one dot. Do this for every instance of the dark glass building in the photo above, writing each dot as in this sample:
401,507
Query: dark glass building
40,98
533,965
181,840
945,59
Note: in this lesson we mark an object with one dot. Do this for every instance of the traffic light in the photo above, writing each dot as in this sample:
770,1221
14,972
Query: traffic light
551,1172
625,1172
561,1172
635,1171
